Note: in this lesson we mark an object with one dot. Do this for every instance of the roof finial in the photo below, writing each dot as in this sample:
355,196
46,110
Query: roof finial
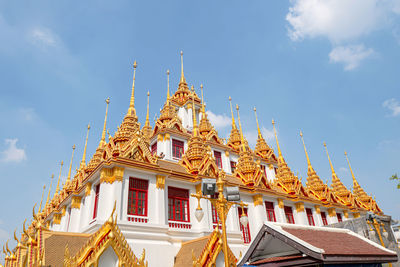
258,126
168,87
59,178
276,138
48,194
330,162
83,163
182,76
240,127
305,150
203,108
233,118
351,170
70,164
194,118
103,134
131,110
147,123
41,200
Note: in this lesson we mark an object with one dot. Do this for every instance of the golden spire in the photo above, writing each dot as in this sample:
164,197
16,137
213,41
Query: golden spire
70,164
59,178
83,163
203,108
103,134
168,95
277,142
147,123
233,118
41,200
48,195
131,110
330,162
182,75
194,118
258,126
351,170
240,127
305,150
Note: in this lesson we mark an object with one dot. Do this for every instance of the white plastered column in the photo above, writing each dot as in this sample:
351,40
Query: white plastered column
160,200
280,212
74,222
257,214
109,194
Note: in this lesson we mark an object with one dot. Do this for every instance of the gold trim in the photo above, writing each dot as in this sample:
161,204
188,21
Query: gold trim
280,203
76,202
167,137
227,153
160,181
198,188
270,166
317,209
346,213
257,200
111,175
64,209
160,137
356,214
332,212
88,188
57,218
299,206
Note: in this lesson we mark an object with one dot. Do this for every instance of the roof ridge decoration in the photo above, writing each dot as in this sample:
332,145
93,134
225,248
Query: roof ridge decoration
130,124
147,129
248,171
285,180
205,127
338,188
314,185
109,235
68,181
262,149
361,196
197,159
137,148
234,140
211,250
83,161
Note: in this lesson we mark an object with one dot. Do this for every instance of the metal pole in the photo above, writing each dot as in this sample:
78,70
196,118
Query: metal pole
222,206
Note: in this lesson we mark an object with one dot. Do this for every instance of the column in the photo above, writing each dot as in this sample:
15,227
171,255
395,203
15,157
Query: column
160,199
75,214
332,216
257,212
279,211
110,192
300,214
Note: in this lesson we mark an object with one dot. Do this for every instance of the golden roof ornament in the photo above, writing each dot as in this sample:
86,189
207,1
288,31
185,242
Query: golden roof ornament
103,134
285,178
147,129
262,149
48,195
205,126
314,184
83,161
41,200
59,178
234,140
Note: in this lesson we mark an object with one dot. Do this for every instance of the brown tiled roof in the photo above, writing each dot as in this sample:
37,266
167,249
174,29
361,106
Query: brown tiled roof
55,243
277,259
184,256
336,243
173,166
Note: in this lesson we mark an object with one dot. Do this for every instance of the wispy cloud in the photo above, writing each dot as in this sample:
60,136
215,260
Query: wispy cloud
343,22
393,105
351,56
42,37
252,136
27,114
12,153
217,120
343,169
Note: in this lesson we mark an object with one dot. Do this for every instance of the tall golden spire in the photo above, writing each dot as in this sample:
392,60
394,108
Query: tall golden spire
195,129
258,126
240,127
183,80
41,200
103,134
277,142
168,95
147,123
233,118
203,108
83,161
59,178
351,170
48,194
330,162
131,110
70,164
305,150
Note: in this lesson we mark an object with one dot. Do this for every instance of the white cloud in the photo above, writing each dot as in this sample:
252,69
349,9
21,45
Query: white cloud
12,153
393,105
343,169
252,136
43,37
219,121
267,134
350,56
27,114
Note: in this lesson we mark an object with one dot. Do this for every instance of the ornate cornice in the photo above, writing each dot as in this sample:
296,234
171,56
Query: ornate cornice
111,175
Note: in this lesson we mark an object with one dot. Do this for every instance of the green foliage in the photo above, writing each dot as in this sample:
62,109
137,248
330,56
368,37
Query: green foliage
395,177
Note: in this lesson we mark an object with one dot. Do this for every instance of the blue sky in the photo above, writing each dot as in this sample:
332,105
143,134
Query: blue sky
328,68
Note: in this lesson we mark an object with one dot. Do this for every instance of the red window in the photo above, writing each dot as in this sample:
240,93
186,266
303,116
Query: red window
96,200
177,148
218,159
245,230
233,166
154,149
178,204
214,214
323,217
276,170
269,206
289,214
264,169
339,217
137,197
310,217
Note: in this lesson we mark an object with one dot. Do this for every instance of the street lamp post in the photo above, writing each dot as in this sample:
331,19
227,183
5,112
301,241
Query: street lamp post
222,206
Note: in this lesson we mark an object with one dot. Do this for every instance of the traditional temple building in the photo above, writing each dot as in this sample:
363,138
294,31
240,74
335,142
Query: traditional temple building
130,204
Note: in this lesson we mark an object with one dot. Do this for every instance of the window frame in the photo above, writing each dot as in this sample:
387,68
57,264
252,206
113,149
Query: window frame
323,218
289,215
219,164
152,150
270,210
181,206
96,200
339,217
173,144
310,217
137,192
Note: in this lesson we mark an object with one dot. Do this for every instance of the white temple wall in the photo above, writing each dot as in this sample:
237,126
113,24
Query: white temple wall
87,209
108,258
270,173
74,222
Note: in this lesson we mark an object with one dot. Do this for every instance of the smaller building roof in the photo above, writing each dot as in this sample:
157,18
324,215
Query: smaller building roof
280,243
